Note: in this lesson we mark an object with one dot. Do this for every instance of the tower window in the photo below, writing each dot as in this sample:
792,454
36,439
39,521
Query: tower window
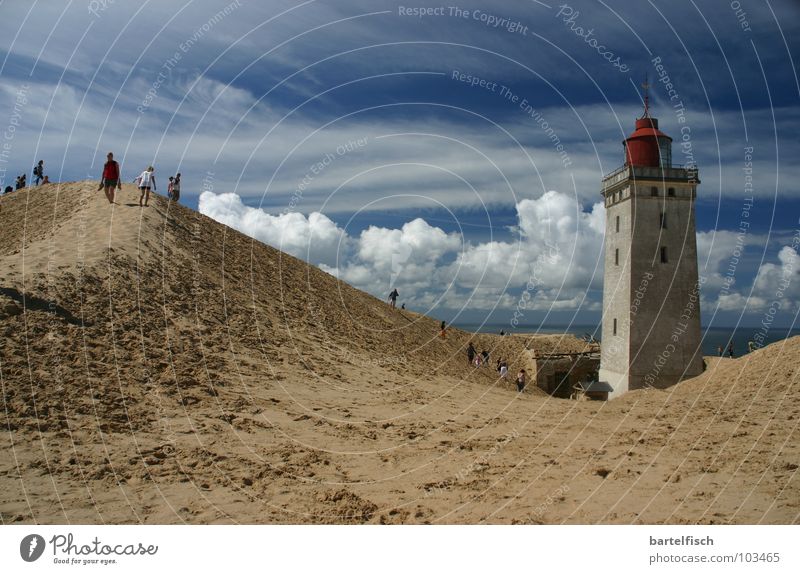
671,192
654,191
616,257
615,326
662,218
664,255
617,223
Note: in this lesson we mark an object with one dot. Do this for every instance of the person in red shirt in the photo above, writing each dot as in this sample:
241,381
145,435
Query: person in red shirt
111,179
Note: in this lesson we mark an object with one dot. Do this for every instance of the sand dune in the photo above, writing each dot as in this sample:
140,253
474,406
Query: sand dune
158,367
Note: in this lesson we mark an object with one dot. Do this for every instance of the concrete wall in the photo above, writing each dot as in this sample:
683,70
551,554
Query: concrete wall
615,348
655,303
665,310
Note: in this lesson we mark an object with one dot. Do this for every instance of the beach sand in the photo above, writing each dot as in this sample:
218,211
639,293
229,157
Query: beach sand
158,367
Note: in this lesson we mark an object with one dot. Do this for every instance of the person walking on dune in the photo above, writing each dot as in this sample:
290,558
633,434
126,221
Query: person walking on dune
443,330
147,180
110,180
521,380
471,352
393,297
38,172
176,187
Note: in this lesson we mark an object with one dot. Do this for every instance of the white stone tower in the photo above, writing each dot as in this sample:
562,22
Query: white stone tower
651,303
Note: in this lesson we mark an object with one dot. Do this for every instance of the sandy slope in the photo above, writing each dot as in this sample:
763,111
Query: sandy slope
163,368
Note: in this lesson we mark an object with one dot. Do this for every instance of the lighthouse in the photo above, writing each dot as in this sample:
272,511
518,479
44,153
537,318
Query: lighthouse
651,302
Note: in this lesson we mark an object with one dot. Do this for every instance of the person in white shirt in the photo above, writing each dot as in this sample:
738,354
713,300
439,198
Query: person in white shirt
146,181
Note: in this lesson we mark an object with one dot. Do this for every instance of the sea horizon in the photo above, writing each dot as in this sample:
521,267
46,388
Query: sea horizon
713,336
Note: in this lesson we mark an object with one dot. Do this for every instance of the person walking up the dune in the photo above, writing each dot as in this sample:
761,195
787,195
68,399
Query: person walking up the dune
393,297
176,187
471,353
443,330
110,180
503,370
521,380
38,172
146,181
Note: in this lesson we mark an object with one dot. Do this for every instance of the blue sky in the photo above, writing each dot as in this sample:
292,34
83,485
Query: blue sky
350,133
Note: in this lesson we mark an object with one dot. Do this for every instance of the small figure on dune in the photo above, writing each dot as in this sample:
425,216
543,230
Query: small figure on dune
484,357
503,370
393,297
443,330
751,346
46,180
8,189
521,380
730,349
502,333
38,172
403,306
147,180
110,180
471,352
719,351
174,189
20,182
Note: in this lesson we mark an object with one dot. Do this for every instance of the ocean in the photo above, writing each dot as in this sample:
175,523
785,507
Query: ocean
713,337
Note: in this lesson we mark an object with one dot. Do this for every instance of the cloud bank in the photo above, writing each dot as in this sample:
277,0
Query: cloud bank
553,263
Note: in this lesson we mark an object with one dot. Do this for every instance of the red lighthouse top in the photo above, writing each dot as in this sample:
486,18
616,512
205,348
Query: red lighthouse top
647,145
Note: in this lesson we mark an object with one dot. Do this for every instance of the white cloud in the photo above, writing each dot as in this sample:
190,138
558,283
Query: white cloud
723,255
554,264
724,258
554,260
779,282
315,238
